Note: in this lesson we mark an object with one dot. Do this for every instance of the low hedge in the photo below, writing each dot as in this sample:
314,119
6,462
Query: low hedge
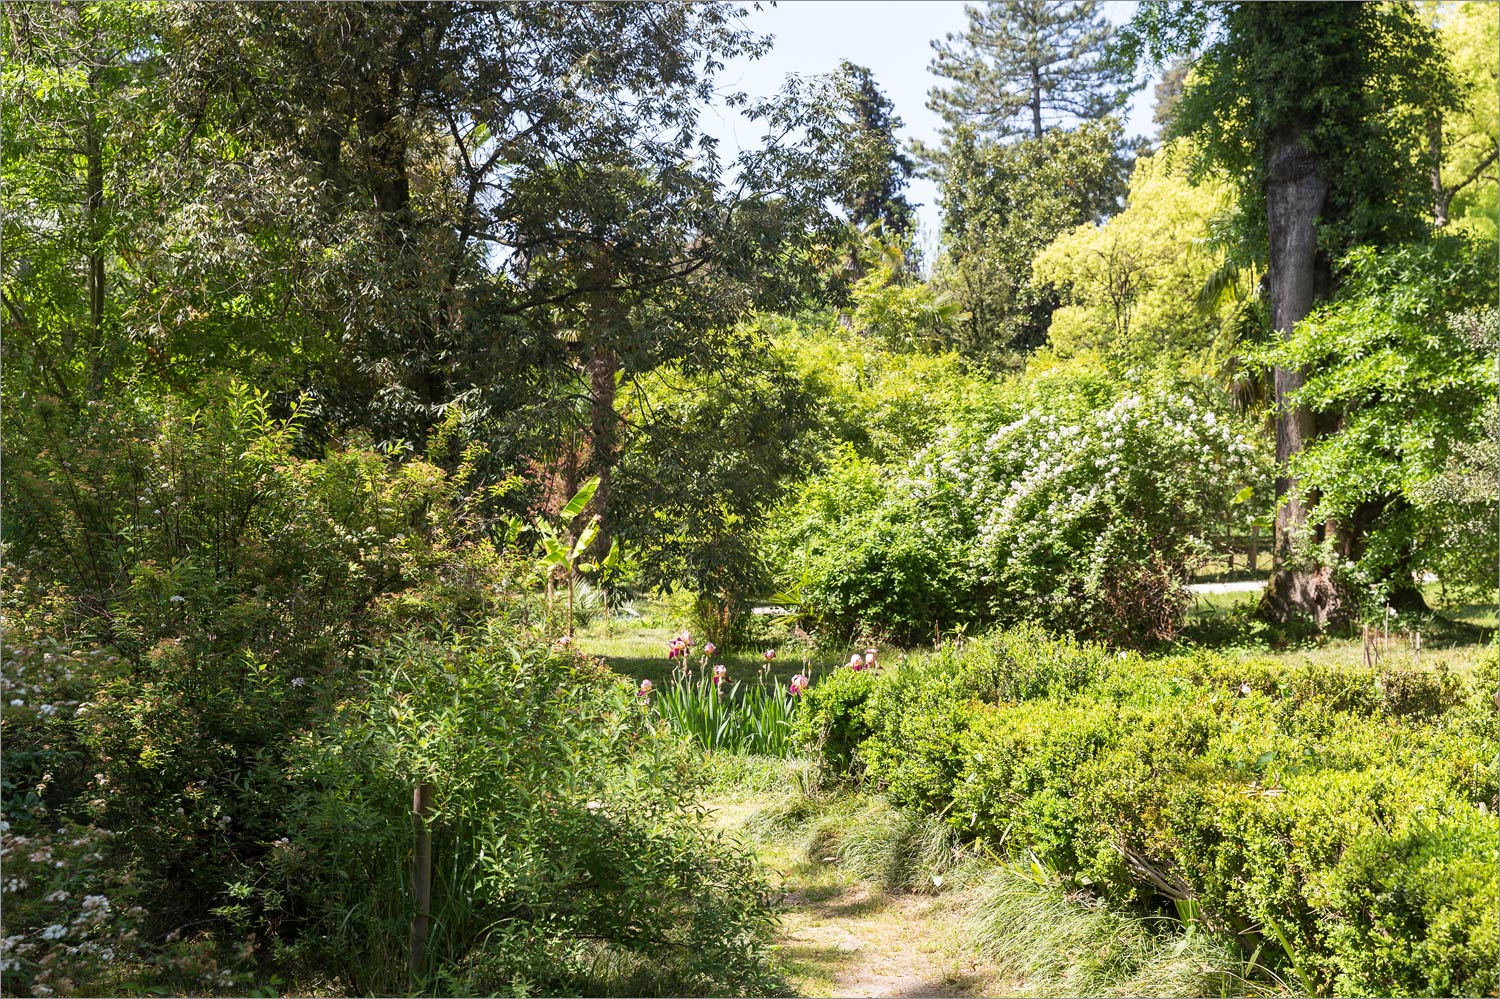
1344,818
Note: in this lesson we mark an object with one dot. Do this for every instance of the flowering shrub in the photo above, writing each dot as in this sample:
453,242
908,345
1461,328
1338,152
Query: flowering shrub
1091,524
1084,514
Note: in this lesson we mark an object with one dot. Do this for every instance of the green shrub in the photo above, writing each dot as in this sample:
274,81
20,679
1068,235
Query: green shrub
916,715
832,719
1343,820
865,561
920,712
566,843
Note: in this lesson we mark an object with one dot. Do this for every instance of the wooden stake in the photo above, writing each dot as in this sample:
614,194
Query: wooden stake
421,875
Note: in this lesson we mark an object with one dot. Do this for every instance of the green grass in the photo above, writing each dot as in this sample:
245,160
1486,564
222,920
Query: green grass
637,648
1061,944
852,862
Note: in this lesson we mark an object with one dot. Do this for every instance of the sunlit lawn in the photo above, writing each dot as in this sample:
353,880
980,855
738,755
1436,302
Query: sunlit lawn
637,646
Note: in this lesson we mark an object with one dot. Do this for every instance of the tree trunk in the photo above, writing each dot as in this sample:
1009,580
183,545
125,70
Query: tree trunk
1295,193
1405,594
1036,101
604,443
94,213
1441,196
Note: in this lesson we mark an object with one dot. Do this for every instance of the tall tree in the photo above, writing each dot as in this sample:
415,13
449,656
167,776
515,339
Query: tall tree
1318,112
1464,141
1002,204
877,171
506,207
1024,66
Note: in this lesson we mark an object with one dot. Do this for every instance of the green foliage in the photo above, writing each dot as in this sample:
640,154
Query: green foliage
1065,504
1002,204
1129,286
1024,67
564,834
833,719
876,171
694,488
1024,919
1344,818
1470,130
1356,85
1409,391
892,305
870,559
732,717
881,401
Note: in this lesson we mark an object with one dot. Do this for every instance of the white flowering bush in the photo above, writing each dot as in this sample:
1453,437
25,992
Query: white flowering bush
1080,506
1091,523
66,913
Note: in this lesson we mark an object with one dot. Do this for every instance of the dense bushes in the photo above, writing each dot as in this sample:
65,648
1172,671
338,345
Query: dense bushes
1347,818
221,684
567,852
1068,506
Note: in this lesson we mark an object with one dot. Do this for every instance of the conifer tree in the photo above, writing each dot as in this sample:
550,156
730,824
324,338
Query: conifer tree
877,171
1026,66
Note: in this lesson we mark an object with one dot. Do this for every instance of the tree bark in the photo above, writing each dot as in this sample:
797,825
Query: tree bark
94,213
1036,101
604,444
1295,194
1441,197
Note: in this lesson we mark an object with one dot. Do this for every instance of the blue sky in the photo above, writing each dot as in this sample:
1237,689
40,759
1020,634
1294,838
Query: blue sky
893,38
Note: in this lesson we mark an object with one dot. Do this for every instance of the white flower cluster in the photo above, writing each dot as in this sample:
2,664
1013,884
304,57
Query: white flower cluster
1152,462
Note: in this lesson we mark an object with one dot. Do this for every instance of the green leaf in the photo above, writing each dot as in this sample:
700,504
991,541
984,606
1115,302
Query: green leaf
580,499
586,538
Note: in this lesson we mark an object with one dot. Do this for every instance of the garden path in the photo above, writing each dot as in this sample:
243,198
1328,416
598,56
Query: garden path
840,936
856,941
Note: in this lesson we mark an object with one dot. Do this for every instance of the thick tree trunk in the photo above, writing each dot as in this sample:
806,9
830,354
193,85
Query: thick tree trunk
1405,594
1295,193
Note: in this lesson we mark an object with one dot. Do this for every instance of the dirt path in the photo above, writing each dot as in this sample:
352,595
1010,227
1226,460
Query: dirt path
852,941
840,936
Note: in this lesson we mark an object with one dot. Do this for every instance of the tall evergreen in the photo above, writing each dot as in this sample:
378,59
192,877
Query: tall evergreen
1025,66
878,171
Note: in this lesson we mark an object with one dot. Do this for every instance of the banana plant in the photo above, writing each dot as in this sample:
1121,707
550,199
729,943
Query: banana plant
557,555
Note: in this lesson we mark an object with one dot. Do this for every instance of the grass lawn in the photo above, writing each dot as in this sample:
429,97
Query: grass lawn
637,648
1458,636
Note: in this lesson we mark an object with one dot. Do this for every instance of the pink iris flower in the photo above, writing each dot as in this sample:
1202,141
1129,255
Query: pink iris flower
646,687
799,684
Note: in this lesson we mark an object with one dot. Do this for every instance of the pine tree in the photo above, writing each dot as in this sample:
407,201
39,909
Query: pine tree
877,171
1024,66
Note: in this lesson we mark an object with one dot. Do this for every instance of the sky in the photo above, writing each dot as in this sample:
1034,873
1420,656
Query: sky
891,37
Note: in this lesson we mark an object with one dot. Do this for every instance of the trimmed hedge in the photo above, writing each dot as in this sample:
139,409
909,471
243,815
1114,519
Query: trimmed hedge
1344,817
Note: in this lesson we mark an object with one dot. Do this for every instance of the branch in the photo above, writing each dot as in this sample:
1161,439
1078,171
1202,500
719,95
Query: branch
1474,174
